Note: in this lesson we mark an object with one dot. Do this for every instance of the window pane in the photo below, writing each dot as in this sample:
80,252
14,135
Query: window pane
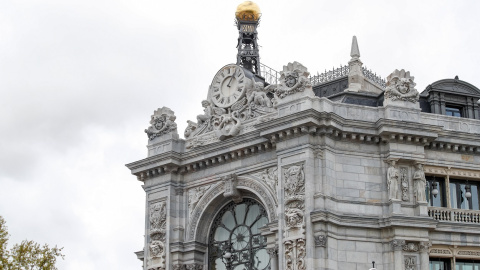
453,195
474,197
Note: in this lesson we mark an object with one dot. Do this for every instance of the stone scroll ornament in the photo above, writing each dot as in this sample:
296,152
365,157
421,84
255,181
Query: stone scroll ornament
161,122
158,222
400,86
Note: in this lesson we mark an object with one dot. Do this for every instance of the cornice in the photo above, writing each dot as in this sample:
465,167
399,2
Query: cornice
373,222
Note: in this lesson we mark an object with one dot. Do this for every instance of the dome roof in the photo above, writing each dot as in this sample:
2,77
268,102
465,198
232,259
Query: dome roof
248,11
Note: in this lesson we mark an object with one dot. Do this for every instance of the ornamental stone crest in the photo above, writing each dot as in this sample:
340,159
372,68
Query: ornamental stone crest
162,122
158,221
293,79
400,86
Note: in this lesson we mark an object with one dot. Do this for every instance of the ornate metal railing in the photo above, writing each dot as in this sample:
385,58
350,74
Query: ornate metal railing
328,76
270,75
373,77
454,215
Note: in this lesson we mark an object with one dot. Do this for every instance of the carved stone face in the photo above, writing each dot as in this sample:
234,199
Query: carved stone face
403,85
290,80
159,122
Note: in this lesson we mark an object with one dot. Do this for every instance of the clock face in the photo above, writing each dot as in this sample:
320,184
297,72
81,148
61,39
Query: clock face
228,86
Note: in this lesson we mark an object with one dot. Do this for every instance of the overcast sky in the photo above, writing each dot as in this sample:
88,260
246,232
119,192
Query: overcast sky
80,79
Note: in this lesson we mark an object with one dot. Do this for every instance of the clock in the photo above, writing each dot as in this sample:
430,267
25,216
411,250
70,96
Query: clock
228,85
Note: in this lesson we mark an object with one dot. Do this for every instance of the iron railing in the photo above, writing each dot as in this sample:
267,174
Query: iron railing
270,75
373,77
328,76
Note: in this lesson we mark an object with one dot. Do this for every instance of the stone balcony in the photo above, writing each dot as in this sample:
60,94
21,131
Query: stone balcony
454,215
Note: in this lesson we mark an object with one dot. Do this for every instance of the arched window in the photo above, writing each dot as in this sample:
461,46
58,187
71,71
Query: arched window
235,242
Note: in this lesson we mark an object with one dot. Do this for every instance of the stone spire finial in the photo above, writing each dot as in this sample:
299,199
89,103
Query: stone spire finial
355,52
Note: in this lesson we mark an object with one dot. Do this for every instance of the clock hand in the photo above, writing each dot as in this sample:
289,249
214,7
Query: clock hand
230,81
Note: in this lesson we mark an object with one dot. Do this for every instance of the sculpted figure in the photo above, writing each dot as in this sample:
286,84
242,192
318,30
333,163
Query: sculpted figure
258,96
419,183
192,126
208,112
392,180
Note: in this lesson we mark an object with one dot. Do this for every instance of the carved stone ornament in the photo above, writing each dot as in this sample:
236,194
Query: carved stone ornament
410,247
273,251
194,195
320,241
404,183
440,251
295,254
179,267
397,244
161,122
424,246
293,79
400,86
158,222
270,178
294,196
392,180
231,188
410,262
234,97
419,183
194,266
475,253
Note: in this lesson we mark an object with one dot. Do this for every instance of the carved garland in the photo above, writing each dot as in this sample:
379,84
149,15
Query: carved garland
158,224
404,183
294,194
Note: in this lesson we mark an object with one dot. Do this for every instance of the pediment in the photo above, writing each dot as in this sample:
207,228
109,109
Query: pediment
455,87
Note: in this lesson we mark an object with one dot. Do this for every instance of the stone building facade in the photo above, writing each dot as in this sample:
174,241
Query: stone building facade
284,170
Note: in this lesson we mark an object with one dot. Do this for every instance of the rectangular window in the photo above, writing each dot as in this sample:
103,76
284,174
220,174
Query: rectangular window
464,195
439,264
467,265
436,185
454,111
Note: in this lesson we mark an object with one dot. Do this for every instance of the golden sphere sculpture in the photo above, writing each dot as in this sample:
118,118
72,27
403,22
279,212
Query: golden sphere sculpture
248,11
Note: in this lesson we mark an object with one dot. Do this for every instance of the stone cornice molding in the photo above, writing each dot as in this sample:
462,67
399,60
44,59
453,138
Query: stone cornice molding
373,222
315,117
